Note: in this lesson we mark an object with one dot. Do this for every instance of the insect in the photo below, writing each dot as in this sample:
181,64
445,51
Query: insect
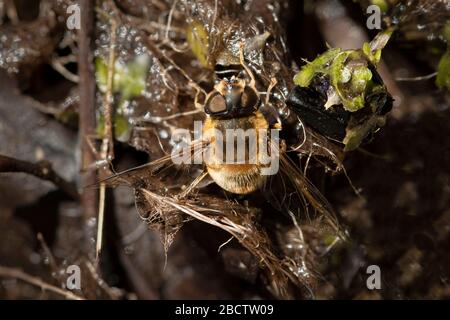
234,104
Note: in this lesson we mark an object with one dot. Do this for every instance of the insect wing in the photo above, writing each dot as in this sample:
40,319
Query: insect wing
290,192
155,175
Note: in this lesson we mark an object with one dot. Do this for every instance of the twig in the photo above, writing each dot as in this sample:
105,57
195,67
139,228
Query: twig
58,65
101,215
419,78
48,253
250,237
113,293
171,117
87,110
107,149
19,274
42,170
11,12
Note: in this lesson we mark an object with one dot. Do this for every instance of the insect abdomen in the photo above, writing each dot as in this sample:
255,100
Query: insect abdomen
239,178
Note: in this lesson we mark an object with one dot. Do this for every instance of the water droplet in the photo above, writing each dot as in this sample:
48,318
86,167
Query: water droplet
421,26
129,249
147,115
92,222
163,134
284,112
35,258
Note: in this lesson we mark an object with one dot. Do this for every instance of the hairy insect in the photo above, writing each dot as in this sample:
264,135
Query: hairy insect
234,104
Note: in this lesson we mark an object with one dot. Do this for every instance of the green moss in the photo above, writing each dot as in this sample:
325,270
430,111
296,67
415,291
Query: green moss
129,80
373,56
360,78
382,4
101,73
443,76
350,82
349,70
318,65
350,73
198,40
446,32
339,74
121,126
329,239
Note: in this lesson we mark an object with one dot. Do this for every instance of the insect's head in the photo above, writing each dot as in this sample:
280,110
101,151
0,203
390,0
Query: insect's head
231,98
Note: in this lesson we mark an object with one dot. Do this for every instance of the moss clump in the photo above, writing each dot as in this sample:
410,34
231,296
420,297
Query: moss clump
198,40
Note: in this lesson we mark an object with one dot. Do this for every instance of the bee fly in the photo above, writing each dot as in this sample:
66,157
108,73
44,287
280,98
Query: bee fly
233,105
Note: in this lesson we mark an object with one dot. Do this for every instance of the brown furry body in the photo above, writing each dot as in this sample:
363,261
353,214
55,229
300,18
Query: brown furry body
236,178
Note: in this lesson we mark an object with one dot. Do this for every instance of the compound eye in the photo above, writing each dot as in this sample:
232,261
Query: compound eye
216,104
249,98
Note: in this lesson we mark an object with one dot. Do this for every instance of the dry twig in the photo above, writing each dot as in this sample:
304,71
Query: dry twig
19,274
87,109
41,169
107,148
